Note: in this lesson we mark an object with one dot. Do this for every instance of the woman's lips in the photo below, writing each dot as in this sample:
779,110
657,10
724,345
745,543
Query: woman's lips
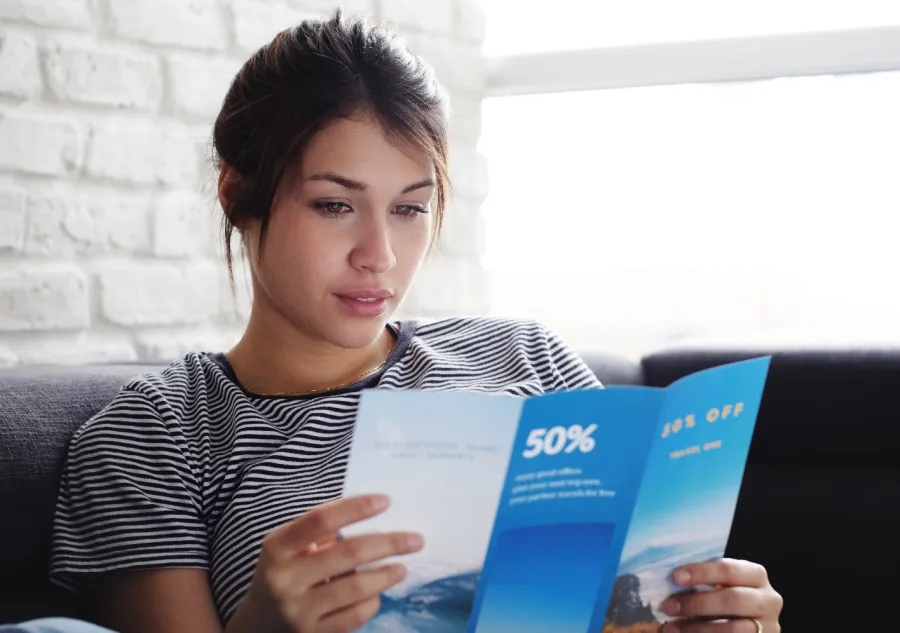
365,303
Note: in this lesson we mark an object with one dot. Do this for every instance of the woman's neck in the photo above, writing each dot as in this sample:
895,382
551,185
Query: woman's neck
273,359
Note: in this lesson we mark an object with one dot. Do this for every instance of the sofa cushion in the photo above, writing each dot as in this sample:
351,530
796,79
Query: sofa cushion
612,369
41,408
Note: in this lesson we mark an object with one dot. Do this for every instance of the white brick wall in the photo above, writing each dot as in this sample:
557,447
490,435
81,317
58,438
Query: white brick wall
20,72
108,224
12,219
96,75
45,145
44,297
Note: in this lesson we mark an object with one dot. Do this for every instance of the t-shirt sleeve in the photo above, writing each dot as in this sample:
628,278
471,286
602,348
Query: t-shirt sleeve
569,370
129,496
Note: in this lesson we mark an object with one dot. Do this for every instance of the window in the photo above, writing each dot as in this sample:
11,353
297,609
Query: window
516,27
630,217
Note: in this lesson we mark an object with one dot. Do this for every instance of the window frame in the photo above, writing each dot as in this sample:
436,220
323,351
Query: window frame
702,61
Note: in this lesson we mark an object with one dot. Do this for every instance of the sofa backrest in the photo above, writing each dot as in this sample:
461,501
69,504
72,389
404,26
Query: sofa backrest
40,408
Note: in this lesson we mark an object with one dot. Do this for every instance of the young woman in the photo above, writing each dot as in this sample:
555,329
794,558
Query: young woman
205,498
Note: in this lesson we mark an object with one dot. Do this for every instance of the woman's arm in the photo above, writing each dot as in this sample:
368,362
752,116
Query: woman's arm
298,586
131,496
157,601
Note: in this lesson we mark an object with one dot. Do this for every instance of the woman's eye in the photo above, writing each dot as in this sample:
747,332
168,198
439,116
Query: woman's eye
410,210
333,208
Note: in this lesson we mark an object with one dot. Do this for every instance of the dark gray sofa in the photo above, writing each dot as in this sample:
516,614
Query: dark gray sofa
820,504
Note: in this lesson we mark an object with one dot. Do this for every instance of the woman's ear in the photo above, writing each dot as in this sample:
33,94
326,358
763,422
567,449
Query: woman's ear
229,193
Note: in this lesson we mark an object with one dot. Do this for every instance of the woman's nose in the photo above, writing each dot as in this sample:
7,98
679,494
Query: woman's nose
373,250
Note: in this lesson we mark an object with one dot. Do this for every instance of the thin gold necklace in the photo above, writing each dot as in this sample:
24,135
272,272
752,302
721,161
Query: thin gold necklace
357,378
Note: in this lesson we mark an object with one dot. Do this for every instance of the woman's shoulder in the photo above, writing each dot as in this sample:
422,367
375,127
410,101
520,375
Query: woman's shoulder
158,396
141,460
479,329
193,372
509,346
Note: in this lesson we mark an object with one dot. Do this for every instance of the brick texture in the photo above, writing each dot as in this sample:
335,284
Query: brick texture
197,84
178,220
165,344
109,241
20,72
158,293
73,14
111,348
195,24
146,153
12,219
44,298
65,222
37,144
93,75
257,21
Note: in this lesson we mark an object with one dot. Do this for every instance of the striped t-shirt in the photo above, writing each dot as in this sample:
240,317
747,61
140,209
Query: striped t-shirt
186,468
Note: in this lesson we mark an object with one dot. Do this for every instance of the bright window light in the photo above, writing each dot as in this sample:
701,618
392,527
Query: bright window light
629,218
517,26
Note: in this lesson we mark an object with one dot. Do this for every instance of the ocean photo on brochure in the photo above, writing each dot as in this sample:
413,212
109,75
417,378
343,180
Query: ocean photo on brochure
553,513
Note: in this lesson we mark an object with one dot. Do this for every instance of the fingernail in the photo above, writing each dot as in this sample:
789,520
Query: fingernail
682,577
380,502
671,606
414,541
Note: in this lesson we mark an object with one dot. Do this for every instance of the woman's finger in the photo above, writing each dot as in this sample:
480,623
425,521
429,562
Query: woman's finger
741,625
351,618
346,555
356,588
726,571
322,523
722,603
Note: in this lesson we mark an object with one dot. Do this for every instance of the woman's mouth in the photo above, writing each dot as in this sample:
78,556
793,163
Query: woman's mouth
365,303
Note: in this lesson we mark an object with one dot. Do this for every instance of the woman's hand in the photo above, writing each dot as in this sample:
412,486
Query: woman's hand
305,580
742,598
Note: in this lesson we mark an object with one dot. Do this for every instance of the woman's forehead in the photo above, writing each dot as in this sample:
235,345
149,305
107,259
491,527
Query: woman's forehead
363,144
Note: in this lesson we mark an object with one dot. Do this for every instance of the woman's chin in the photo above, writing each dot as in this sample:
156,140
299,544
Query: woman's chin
356,333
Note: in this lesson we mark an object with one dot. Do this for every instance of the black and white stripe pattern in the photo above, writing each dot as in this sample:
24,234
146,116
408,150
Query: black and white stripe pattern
187,469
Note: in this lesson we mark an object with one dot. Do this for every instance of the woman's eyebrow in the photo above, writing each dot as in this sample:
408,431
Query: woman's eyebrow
428,182
347,183
355,185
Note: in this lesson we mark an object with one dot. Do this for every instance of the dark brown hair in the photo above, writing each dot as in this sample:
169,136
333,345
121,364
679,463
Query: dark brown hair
307,76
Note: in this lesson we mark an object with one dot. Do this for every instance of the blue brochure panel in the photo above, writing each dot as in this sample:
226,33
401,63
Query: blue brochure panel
692,478
574,474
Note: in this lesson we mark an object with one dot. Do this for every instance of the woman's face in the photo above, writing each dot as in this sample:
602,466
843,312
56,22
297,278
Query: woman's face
346,236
